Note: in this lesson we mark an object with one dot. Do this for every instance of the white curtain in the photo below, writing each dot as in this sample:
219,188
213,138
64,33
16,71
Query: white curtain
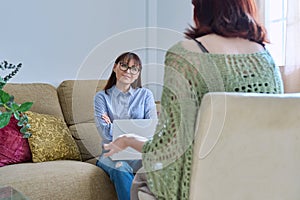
261,10
291,71
292,33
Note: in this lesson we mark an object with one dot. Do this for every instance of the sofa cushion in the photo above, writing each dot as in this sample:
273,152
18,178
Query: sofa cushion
59,180
50,139
88,140
77,99
43,96
13,147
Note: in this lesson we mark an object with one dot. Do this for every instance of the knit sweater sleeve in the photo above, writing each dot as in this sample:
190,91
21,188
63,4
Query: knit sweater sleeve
167,157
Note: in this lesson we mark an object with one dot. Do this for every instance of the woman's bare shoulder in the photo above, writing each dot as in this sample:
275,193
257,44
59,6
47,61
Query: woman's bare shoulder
185,46
226,45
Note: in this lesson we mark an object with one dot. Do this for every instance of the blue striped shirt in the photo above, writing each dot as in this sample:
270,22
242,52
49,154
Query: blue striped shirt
135,104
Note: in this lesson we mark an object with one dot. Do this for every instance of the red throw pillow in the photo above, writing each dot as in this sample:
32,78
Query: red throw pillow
13,147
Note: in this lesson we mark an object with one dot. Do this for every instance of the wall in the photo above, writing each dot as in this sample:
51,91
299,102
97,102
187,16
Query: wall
74,39
171,17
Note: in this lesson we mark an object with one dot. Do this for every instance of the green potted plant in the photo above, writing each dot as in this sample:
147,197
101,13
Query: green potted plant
8,106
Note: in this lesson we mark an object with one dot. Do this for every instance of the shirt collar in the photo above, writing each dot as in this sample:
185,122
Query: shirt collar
117,92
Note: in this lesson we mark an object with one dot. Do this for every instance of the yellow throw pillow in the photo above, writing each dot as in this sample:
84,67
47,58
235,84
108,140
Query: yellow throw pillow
50,139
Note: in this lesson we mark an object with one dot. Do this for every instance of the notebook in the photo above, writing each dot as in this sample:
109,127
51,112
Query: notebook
141,127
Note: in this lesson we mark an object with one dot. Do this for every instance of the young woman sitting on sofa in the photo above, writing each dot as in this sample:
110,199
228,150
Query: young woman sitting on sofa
123,97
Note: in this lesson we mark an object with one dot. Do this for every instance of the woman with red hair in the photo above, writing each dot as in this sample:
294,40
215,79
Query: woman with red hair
225,52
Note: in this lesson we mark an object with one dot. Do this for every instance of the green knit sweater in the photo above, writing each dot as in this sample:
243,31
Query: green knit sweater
167,158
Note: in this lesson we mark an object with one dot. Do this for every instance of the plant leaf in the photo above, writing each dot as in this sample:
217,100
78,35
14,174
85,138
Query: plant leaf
11,98
14,106
4,119
4,97
22,120
27,125
23,129
2,82
25,106
26,135
17,115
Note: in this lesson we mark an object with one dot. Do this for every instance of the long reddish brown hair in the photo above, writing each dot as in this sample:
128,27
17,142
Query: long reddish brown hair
228,18
125,57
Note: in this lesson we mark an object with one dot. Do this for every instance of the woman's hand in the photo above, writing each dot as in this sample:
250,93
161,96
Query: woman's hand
106,118
123,141
117,145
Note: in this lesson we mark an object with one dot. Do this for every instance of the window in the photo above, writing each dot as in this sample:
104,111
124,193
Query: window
275,22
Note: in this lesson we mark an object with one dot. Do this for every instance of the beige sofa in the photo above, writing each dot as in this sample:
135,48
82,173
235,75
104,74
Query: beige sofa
62,179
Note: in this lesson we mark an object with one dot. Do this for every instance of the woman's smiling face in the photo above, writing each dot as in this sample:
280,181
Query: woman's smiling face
126,76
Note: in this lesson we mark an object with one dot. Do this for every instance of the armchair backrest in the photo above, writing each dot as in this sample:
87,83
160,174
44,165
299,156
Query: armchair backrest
247,146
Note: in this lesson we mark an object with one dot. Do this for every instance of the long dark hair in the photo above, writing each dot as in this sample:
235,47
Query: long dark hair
228,18
125,57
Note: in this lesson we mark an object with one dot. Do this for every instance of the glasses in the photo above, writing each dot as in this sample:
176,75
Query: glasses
133,69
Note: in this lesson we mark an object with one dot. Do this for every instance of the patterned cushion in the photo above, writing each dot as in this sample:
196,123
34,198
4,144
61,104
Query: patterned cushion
51,139
13,147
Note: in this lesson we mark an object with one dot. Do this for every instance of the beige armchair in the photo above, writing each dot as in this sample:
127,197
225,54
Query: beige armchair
247,147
